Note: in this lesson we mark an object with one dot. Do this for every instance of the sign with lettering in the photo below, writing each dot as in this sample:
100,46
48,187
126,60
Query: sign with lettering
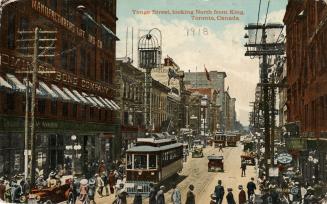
296,144
62,21
8,123
11,60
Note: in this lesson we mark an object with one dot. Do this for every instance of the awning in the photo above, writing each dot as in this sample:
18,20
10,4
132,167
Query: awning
115,104
90,100
71,95
15,83
46,90
107,104
60,93
110,32
4,83
98,102
84,100
30,86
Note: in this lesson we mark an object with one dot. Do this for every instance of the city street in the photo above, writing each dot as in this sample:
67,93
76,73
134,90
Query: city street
195,172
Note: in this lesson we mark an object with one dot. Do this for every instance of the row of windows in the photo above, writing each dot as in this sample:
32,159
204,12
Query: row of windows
133,92
71,55
171,156
315,114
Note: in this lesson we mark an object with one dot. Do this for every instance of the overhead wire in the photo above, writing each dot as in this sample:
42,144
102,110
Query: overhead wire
256,31
268,5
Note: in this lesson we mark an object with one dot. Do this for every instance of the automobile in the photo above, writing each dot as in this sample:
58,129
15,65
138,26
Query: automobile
248,157
197,151
215,163
50,195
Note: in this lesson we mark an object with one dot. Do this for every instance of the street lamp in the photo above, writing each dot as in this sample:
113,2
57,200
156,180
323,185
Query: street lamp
73,138
149,51
204,104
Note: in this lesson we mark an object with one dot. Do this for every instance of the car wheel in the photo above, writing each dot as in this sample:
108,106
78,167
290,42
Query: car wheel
48,202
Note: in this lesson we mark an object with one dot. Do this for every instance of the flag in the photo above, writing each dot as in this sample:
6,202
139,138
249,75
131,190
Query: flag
227,88
207,73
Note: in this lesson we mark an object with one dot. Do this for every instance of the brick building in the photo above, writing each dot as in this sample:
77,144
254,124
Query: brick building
306,29
131,101
78,99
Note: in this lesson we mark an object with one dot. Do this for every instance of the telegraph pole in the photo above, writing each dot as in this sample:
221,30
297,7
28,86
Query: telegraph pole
34,79
264,78
264,49
36,39
26,129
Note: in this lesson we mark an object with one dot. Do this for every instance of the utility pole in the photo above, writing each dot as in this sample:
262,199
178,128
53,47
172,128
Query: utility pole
35,63
26,129
273,120
264,49
34,73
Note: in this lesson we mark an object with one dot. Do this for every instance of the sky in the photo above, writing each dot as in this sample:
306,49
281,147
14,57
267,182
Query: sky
193,40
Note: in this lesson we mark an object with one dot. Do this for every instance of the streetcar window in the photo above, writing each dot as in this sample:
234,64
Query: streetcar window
129,161
152,162
140,162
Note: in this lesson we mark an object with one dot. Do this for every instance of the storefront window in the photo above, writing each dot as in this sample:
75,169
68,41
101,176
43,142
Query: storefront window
140,162
10,102
41,159
1,164
54,107
65,109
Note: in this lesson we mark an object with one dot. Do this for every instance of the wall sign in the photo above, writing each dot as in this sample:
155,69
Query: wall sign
57,18
11,60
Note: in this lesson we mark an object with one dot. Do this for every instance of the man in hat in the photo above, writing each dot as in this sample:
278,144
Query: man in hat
160,195
243,167
219,193
176,195
220,148
138,196
190,197
241,195
152,195
52,181
92,189
2,189
251,187
230,196
105,182
121,194
102,167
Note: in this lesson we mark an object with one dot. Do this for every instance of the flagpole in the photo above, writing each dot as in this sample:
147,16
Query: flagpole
196,76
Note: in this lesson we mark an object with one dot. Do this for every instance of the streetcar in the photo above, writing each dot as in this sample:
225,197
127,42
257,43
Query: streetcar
231,140
219,138
152,161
